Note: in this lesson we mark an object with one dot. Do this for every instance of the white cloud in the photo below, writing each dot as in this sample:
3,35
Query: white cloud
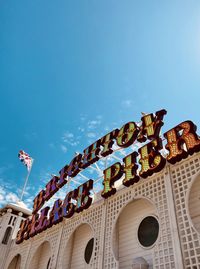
81,129
126,103
70,139
7,197
52,145
92,124
67,135
63,148
12,197
99,117
83,117
91,135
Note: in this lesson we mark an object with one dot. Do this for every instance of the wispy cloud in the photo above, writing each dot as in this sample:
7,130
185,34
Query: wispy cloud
127,103
70,139
83,117
30,136
92,124
81,129
63,148
91,135
52,145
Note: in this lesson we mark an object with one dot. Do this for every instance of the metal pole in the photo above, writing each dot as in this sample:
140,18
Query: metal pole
25,183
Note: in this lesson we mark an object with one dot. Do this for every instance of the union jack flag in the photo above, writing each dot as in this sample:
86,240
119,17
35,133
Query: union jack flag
26,159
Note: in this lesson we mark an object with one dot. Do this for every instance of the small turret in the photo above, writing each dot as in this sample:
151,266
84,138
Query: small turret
11,217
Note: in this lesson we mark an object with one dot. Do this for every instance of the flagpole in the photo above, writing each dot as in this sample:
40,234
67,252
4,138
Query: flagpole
26,180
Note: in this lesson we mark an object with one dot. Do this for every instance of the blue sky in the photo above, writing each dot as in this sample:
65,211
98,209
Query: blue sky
71,71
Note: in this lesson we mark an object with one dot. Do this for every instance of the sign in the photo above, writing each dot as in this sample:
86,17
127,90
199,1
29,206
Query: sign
181,141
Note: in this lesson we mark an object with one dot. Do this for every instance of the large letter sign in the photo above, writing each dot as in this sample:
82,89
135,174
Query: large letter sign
179,142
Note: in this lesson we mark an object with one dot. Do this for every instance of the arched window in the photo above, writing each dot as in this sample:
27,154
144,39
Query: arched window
42,257
7,235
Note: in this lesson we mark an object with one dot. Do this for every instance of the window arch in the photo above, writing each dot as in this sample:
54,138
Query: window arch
15,263
79,248
125,233
42,257
7,235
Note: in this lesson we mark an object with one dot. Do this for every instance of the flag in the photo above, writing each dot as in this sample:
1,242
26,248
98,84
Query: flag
26,159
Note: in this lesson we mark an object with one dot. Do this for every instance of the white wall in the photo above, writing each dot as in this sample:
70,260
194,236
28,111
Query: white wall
126,244
194,203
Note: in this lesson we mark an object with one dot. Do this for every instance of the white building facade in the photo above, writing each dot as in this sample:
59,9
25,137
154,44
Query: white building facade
154,223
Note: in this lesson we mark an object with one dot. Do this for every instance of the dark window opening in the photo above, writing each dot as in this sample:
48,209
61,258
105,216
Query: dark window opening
148,231
10,220
89,250
13,223
6,235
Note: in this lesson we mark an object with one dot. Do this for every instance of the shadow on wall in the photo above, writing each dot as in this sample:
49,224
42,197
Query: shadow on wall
193,203
79,249
42,257
15,263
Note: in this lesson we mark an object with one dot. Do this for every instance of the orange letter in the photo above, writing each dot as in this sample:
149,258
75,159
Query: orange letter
38,201
22,231
182,135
